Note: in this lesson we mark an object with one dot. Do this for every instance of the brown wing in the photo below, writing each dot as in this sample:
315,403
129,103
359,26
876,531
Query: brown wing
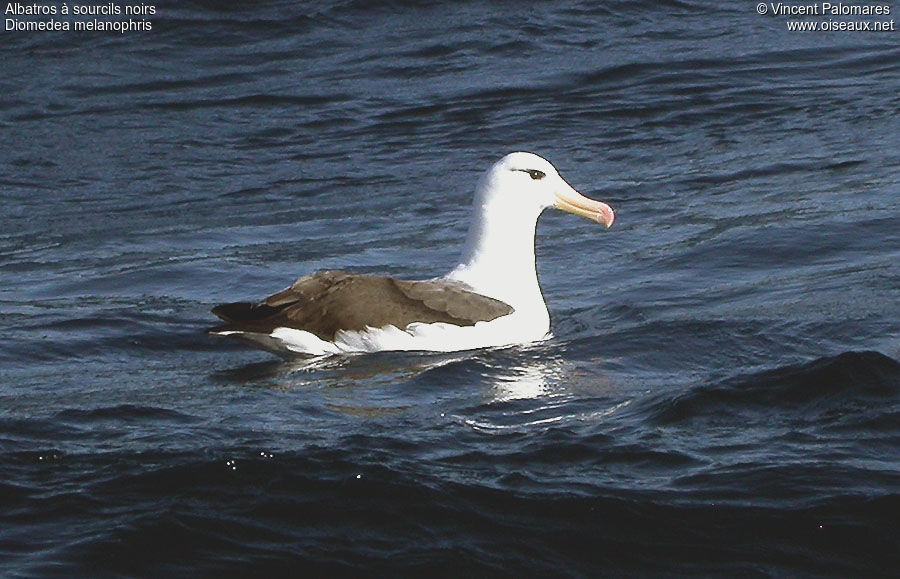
329,301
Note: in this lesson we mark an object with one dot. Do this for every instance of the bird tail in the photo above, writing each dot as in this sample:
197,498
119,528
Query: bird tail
242,317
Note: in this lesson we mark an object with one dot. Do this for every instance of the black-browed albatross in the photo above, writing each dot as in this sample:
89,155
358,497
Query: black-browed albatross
492,298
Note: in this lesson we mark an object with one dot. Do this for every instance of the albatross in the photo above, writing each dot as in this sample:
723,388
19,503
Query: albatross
490,299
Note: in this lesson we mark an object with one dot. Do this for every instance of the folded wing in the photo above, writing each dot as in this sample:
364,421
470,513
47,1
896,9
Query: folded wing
329,301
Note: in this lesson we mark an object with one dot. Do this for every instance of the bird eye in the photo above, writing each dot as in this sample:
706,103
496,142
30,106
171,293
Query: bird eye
534,173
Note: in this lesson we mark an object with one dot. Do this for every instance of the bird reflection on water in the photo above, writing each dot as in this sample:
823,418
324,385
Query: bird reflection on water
483,389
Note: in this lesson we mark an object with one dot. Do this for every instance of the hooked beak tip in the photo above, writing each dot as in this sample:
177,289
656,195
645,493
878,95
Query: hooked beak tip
574,202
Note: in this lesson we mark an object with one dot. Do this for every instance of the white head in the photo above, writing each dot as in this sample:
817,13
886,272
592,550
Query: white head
526,183
498,255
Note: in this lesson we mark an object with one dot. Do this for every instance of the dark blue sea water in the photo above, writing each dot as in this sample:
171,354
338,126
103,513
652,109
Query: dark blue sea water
722,394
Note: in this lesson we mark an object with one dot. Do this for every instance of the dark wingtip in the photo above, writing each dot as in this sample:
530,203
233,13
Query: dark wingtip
244,317
233,312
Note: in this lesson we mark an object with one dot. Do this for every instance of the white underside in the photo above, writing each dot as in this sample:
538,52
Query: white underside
437,337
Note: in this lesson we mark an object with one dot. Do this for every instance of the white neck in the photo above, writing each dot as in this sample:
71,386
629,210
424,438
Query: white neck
498,255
